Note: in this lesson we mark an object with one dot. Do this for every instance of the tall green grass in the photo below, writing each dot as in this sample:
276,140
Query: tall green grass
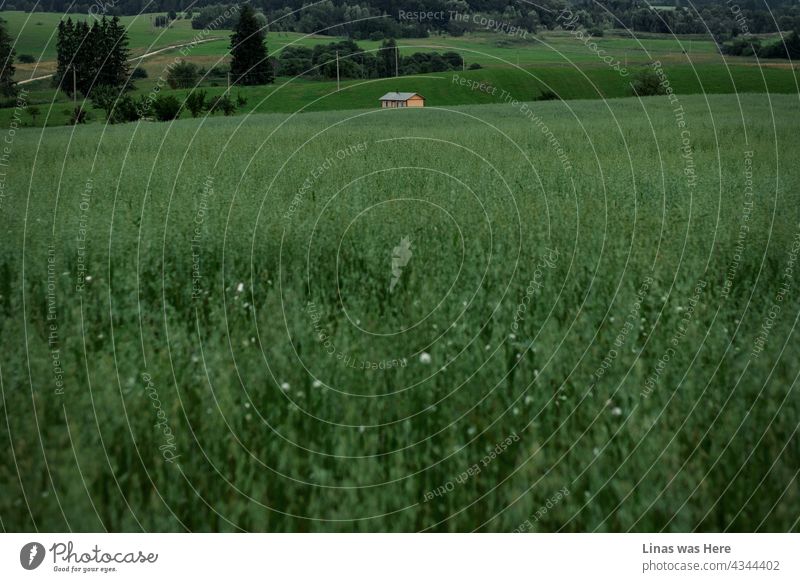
483,195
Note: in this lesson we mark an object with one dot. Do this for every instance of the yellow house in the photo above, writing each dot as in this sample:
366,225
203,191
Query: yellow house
391,100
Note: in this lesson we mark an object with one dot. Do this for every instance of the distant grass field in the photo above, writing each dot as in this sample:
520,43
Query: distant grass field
35,34
551,61
499,84
579,313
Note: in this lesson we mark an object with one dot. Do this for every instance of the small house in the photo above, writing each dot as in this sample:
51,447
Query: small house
391,100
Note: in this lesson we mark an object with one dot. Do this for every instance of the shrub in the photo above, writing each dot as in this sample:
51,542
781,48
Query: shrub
196,103
139,73
166,108
128,109
225,104
646,83
119,108
475,66
183,76
78,115
547,95
26,58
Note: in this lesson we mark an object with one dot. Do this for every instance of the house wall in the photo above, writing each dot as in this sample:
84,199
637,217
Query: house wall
412,102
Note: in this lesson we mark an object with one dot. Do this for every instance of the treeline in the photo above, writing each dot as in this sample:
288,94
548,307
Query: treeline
378,19
89,57
788,48
721,19
8,87
319,62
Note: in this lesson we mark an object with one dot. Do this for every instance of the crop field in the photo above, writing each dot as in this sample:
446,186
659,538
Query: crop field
536,316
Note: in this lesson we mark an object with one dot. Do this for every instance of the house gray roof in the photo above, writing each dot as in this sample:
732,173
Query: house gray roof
394,96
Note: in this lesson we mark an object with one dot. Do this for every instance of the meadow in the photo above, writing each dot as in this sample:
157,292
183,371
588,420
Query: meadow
211,324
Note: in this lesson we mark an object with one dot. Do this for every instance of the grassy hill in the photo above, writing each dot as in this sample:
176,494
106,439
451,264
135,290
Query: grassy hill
495,85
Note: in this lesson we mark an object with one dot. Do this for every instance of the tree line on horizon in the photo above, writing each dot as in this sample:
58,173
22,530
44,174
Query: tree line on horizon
379,19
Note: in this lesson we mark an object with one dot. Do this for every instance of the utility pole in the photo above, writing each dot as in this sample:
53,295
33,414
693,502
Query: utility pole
396,50
337,71
74,88
229,82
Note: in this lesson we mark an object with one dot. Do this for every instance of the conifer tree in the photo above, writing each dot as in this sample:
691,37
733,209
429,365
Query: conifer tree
92,57
249,65
8,87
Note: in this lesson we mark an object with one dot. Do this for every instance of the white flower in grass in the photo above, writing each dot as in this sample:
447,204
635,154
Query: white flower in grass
616,411
424,358
88,278
240,287
316,384
285,386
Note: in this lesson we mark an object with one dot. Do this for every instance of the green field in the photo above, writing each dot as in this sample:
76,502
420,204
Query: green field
492,85
238,273
35,34
524,68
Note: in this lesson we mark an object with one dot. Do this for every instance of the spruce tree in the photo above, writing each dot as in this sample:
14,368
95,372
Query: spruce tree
8,87
249,65
83,60
96,56
116,70
388,56
65,49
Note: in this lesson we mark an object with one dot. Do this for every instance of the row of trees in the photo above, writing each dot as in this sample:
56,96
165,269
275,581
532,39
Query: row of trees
788,48
377,19
89,57
93,61
8,88
319,62
721,19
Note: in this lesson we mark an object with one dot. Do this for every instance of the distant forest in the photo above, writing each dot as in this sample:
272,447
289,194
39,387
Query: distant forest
378,19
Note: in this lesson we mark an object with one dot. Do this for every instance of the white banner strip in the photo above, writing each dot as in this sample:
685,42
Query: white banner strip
401,557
